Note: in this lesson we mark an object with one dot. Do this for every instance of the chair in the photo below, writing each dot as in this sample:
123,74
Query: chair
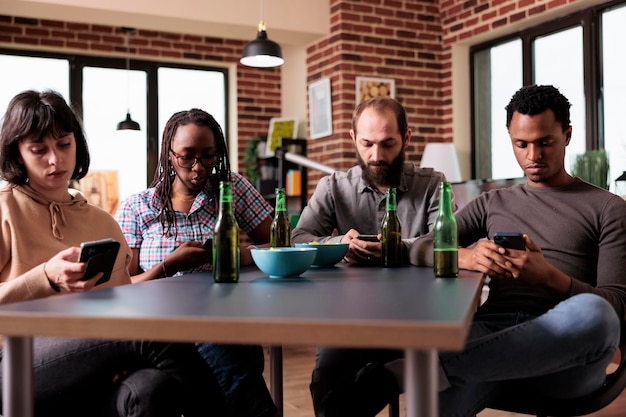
517,400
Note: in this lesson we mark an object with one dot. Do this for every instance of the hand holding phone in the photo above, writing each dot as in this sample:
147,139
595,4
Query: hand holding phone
510,240
100,256
368,238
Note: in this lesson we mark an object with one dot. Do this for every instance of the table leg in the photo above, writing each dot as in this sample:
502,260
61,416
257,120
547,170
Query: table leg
17,377
276,376
421,383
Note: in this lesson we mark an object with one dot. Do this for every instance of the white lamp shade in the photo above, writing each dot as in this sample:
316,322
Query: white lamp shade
443,158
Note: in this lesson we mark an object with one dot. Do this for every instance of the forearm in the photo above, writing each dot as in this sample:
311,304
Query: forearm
160,270
421,252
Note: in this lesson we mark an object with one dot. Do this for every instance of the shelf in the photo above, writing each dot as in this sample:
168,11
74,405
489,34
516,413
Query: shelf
281,167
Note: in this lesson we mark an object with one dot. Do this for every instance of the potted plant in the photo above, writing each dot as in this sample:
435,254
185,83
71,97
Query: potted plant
593,167
251,158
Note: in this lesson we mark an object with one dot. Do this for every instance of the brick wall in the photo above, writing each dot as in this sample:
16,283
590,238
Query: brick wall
407,40
381,38
254,108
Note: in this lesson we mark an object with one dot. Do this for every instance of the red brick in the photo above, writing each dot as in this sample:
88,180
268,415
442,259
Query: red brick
6,29
88,37
77,45
26,21
27,41
62,34
54,43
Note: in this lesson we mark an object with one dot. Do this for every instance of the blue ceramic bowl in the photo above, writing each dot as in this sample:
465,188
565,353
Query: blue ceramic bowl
283,262
328,254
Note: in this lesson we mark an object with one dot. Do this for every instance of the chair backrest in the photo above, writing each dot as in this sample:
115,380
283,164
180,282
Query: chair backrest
515,400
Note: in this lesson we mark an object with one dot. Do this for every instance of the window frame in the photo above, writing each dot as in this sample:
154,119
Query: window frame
78,62
590,21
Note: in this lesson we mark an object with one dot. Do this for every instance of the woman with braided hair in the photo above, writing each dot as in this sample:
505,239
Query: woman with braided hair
166,224
42,148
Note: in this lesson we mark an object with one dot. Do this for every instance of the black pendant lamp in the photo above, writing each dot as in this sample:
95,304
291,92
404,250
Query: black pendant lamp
128,123
262,52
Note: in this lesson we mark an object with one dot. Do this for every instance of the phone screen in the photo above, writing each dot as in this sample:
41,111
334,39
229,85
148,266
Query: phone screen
510,240
100,256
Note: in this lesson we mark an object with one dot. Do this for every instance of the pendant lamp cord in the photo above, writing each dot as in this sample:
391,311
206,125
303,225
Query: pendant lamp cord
262,23
128,33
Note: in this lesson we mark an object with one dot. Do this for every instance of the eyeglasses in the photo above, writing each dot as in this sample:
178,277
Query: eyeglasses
188,161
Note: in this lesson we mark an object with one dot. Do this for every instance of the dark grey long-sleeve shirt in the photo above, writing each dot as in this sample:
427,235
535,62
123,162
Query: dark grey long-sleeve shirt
580,228
344,201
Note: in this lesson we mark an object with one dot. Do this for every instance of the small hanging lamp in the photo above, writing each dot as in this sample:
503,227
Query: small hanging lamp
262,52
128,123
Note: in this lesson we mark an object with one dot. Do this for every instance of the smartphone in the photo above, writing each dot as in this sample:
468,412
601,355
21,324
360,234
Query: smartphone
368,238
208,244
100,256
510,240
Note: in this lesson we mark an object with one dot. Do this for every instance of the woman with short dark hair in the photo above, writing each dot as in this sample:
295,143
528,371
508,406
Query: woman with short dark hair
43,148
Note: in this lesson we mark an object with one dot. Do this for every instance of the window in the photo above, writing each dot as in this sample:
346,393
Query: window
614,89
21,73
565,71
563,53
102,91
498,72
183,89
108,93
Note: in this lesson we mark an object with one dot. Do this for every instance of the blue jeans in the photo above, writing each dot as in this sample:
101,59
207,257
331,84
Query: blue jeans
239,371
105,378
562,353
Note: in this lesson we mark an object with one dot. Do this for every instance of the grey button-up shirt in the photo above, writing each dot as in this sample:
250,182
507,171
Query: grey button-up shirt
344,201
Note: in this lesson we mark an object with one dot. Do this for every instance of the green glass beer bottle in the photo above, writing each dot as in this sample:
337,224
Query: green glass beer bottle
445,233
225,239
280,231
391,231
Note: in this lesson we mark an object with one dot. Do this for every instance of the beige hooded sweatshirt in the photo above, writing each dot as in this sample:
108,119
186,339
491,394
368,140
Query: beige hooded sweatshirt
35,229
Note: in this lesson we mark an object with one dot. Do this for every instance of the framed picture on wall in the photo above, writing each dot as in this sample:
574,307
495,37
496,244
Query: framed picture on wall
320,109
280,127
370,87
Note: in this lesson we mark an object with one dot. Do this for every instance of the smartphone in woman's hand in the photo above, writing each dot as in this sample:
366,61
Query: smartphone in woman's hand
100,256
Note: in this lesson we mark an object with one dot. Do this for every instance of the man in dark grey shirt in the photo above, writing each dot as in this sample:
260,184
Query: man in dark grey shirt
346,204
551,323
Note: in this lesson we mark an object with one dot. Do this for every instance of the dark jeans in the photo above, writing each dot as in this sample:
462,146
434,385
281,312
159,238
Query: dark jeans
84,377
562,353
239,371
352,382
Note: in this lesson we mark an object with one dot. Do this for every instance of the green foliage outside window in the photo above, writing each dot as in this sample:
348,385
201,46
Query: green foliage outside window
251,158
593,167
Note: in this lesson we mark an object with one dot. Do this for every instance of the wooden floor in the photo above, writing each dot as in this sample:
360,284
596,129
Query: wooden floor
298,363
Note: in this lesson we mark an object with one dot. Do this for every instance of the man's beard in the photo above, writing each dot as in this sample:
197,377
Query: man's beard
380,173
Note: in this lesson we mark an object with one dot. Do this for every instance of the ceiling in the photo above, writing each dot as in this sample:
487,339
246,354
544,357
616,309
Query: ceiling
290,22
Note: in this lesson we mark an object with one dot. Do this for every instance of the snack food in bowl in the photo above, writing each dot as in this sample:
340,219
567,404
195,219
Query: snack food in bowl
328,253
283,262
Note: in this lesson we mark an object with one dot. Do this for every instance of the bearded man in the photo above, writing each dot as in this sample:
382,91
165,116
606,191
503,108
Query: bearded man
348,204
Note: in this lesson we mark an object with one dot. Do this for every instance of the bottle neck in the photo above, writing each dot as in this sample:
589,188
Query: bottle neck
281,205
391,204
226,198
445,198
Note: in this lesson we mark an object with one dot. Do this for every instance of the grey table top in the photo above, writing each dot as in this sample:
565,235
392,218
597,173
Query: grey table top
341,306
